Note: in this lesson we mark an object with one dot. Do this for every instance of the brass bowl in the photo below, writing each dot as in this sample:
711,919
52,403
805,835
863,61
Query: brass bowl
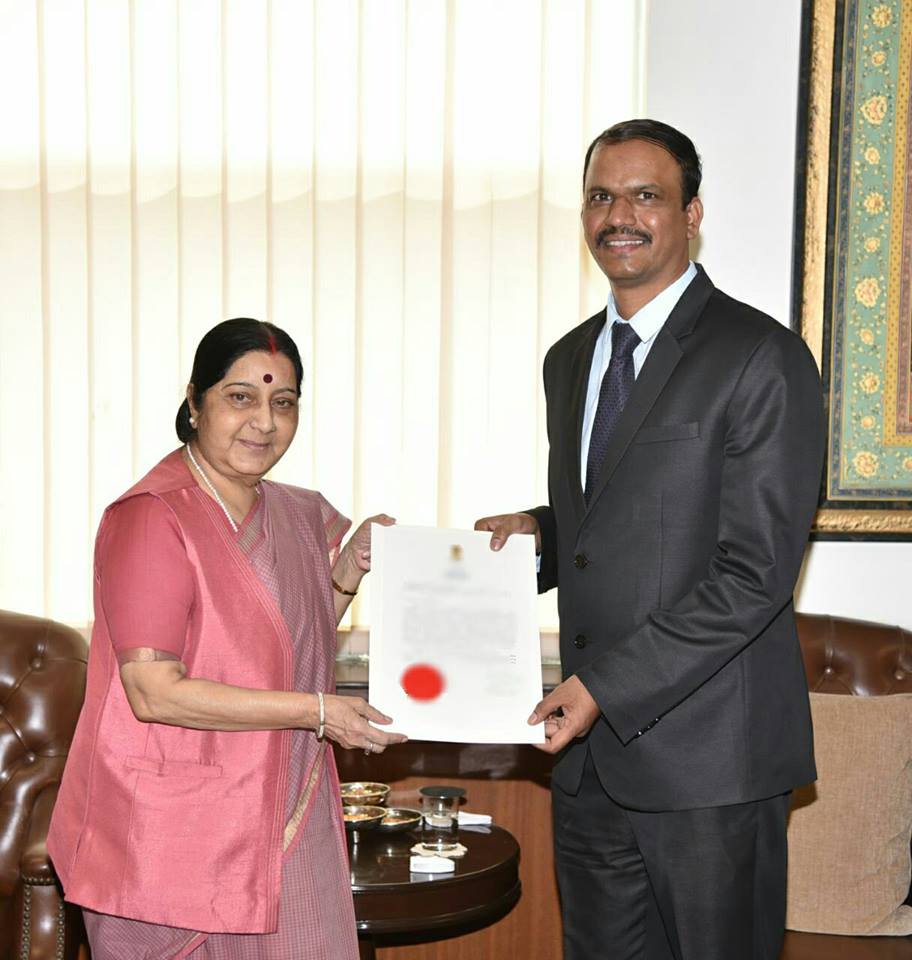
362,817
362,792
399,818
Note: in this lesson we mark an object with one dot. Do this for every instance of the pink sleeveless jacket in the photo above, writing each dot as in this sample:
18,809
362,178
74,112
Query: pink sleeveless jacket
167,824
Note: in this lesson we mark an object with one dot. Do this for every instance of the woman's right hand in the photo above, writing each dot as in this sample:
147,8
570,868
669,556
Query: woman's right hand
348,722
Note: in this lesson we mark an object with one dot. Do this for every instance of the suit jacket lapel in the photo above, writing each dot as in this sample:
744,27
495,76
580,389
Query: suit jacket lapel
664,356
580,367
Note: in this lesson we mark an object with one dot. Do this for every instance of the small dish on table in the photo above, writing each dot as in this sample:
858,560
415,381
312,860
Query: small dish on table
360,817
398,819
362,792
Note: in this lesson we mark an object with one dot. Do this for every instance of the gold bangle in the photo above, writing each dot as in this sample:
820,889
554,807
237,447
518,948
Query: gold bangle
342,590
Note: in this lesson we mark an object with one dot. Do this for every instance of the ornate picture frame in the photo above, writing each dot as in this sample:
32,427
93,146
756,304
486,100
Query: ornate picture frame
852,276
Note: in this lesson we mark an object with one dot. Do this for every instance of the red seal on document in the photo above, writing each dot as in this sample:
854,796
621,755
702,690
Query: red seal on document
421,681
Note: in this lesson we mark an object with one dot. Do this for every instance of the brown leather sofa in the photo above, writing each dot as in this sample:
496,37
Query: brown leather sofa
42,684
858,659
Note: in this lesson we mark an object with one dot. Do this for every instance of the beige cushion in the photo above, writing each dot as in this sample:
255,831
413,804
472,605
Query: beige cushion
849,833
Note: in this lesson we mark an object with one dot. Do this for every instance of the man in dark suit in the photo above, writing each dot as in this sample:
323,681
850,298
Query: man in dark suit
686,440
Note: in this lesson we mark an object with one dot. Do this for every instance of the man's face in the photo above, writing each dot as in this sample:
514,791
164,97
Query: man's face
633,218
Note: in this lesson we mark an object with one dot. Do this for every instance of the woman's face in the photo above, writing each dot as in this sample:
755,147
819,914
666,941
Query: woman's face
249,417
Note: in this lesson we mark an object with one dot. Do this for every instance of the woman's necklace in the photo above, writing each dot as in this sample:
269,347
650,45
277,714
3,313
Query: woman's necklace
212,489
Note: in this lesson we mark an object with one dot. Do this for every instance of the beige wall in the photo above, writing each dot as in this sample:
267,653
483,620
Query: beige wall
727,75
412,219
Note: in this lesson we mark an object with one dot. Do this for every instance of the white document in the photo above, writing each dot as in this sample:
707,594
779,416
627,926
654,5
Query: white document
454,642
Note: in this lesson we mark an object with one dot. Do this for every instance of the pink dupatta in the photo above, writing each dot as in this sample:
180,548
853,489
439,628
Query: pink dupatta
316,914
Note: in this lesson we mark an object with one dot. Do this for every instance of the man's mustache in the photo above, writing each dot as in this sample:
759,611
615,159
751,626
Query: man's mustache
612,233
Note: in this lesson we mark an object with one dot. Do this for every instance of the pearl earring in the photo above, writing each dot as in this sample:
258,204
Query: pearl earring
193,421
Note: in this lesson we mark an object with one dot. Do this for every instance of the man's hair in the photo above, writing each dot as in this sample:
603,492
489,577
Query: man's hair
662,135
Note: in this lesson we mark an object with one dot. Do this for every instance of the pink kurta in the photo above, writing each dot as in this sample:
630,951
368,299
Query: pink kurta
151,554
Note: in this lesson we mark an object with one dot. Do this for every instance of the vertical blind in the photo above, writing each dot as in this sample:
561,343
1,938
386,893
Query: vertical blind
394,182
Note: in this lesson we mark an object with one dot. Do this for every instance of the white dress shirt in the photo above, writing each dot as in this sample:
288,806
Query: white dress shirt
646,322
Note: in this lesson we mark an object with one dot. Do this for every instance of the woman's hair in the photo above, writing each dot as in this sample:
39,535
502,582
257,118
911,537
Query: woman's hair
220,347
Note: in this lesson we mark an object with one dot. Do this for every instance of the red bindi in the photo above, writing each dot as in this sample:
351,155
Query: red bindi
267,378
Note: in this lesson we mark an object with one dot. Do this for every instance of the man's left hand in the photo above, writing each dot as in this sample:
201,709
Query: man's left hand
578,712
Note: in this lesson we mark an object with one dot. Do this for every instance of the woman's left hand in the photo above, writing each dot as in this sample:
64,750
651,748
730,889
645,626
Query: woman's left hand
355,558
357,551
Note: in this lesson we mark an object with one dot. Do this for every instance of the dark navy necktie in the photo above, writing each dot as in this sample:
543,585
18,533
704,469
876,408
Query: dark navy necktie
613,393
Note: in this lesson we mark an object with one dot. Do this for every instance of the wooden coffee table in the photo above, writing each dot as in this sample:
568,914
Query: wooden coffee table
391,900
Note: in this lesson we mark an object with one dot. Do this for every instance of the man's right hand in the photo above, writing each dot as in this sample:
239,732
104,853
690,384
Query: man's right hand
504,525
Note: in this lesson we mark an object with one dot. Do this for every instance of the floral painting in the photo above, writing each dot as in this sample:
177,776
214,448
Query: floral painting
854,264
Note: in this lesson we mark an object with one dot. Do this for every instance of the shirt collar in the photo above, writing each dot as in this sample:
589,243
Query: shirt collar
650,319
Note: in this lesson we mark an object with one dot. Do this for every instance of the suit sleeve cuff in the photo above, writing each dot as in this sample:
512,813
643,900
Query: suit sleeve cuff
626,727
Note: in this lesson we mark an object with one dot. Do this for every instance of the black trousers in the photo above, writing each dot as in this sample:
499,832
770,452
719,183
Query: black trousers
704,884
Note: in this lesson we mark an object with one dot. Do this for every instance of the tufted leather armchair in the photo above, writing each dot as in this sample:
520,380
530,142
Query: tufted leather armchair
42,684
865,660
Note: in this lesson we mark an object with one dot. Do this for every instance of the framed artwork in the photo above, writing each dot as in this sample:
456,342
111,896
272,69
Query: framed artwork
853,256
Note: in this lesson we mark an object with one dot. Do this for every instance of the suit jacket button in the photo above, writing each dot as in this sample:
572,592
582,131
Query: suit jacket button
580,561
579,641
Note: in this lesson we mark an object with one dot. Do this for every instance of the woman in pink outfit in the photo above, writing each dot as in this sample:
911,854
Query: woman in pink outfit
199,814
